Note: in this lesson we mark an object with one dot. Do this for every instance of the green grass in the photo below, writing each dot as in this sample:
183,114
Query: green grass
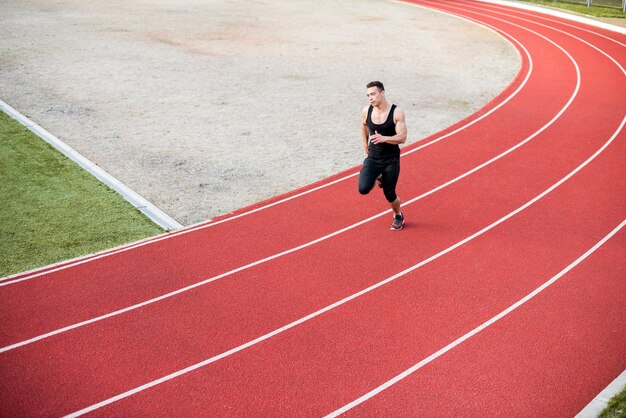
595,11
616,407
51,209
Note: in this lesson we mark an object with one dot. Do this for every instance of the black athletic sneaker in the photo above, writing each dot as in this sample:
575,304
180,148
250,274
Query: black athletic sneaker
398,222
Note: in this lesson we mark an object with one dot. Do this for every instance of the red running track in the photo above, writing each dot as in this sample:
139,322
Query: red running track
500,297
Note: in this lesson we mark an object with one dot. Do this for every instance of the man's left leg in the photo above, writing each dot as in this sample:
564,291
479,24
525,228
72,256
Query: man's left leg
389,181
395,206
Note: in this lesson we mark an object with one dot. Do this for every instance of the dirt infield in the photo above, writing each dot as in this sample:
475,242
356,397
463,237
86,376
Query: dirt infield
205,106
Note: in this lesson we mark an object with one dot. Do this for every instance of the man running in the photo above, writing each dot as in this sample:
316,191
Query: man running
383,128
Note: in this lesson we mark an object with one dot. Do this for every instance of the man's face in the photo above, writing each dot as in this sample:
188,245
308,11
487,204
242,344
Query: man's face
375,96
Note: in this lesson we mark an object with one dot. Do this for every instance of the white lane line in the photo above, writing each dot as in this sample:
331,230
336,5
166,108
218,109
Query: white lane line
61,265
541,15
476,330
545,26
310,243
202,225
347,299
354,296
146,207
557,13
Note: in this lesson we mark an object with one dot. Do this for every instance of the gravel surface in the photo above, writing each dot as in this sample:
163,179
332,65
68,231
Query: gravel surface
205,106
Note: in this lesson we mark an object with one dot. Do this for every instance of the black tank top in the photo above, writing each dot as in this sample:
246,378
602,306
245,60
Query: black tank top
387,128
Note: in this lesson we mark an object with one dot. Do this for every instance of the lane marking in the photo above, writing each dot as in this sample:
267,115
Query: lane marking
346,299
323,238
375,286
540,14
557,13
207,224
545,26
198,365
476,330
204,224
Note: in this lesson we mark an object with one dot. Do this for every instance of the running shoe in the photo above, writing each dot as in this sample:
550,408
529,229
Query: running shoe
398,222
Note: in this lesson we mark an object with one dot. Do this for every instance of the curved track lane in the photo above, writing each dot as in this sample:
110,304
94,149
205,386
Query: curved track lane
315,318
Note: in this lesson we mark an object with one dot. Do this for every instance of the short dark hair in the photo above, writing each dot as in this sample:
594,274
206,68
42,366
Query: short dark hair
376,84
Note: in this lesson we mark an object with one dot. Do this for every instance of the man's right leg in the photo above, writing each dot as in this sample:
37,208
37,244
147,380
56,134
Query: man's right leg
368,175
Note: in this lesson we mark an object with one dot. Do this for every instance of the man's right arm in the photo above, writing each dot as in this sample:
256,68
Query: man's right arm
364,130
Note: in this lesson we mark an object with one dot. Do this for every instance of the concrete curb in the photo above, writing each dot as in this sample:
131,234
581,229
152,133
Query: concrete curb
151,211
600,402
557,13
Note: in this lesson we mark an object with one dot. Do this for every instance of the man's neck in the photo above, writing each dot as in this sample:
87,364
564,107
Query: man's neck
383,106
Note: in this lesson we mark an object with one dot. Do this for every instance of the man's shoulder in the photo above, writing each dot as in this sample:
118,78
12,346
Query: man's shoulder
364,113
398,112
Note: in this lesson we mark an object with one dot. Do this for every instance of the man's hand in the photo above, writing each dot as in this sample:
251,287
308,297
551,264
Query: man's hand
377,138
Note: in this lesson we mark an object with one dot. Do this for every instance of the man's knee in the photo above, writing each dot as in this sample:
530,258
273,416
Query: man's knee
364,186
390,196
364,189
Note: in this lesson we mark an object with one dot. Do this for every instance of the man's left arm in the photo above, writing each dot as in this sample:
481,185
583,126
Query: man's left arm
401,131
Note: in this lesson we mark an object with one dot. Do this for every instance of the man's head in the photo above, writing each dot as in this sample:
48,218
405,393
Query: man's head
375,93
376,84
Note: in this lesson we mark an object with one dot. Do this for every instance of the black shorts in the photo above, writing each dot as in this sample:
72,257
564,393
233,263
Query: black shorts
372,168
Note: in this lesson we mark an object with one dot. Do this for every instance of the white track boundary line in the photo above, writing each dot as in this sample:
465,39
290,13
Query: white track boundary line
541,12
147,208
476,330
349,298
345,300
207,224
364,291
503,13
310,243
556,13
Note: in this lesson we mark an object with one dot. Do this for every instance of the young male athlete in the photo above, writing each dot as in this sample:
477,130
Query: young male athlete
383,128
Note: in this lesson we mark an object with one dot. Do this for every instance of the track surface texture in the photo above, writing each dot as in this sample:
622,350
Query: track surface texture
503,295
